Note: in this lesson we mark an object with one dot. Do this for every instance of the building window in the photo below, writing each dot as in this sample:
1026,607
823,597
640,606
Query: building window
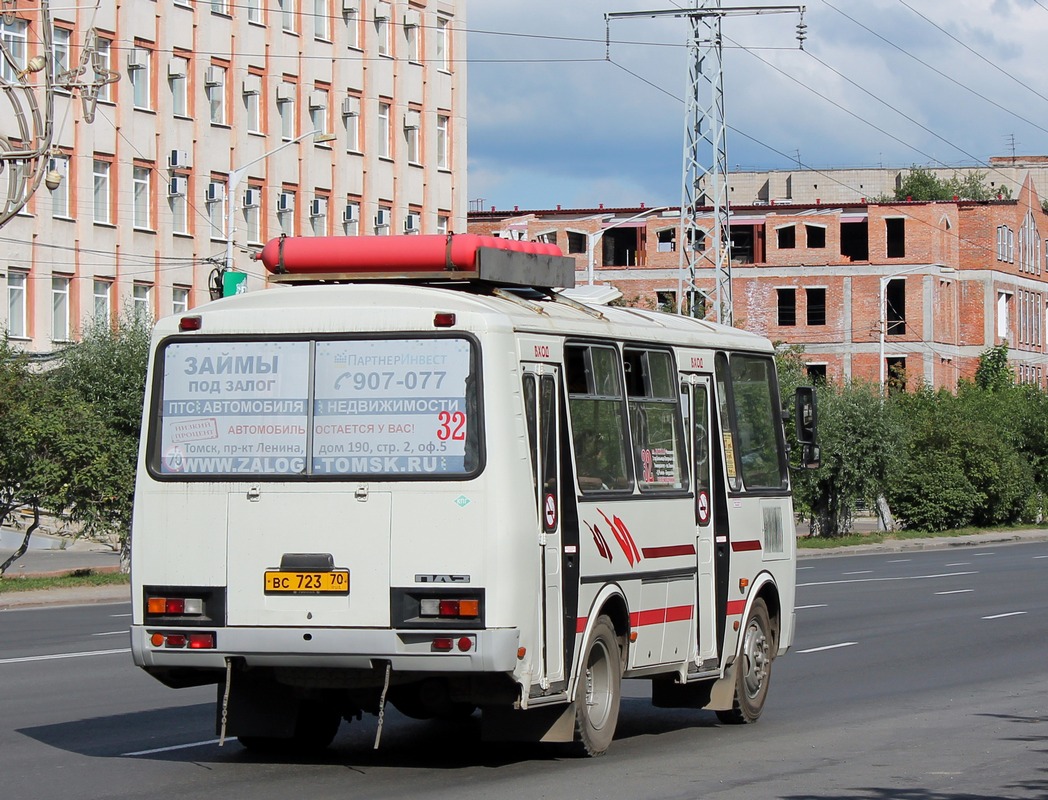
443,224
353,22
384,130
102,194
177,194
254,11
896,369
286,110
816,299
288,15
102,63
14,33
253,214
666,301
412,37
816,373
576,242
286,211
139,72
786,237
412,122
16,305
141,301
1004,315
895,230
179,299
318,214
816,236
142,197
60,194
351,119
443,44
383,221
61,45
215,86
787,306
252,94
220,7
322,19
178,80
383,11
60,309
895,307
103,291
318,110
443,141
216,209
351,217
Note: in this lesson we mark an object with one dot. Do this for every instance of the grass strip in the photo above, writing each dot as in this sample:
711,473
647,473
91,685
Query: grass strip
75,579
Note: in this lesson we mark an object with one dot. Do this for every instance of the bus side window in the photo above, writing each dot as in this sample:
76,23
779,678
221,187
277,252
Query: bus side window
529,415
598,419
658,440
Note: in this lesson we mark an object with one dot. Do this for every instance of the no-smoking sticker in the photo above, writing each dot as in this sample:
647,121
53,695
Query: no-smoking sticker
550,512
702,507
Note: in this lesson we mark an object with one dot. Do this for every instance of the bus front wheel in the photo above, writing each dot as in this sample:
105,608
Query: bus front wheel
752,669
599,692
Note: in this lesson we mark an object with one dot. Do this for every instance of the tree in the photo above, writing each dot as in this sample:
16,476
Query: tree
922,184
107,371
993,372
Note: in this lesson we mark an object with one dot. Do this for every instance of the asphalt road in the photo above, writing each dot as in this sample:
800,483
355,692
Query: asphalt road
919,675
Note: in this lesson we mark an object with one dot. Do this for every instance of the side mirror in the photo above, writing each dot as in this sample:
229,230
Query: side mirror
806,419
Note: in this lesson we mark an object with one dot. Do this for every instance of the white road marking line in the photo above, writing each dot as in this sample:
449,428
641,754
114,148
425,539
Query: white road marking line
801,608
55,656
110,633
957,591
880,580
117,616
859,572
1035,558
800,568
828,647
1009,614
898,561
960,564
976,555
169,749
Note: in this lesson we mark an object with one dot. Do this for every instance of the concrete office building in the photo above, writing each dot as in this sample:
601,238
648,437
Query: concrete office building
231,121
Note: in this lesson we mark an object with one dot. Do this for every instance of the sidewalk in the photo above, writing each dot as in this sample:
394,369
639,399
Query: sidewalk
930,543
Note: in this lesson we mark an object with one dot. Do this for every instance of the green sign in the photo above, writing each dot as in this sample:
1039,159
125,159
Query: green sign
233,283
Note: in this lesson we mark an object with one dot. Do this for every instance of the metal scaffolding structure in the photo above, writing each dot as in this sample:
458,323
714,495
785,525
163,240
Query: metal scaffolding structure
704,245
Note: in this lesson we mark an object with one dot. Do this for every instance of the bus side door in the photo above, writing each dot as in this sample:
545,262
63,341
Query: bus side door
541,394
695,390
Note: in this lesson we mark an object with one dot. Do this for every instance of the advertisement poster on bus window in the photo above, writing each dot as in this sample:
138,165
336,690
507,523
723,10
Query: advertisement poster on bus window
235,408
392,406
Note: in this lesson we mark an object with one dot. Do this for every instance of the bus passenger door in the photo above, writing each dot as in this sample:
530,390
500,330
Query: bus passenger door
540,399
696,401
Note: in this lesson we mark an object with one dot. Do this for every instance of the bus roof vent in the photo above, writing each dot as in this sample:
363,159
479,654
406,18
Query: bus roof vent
431,258
594,294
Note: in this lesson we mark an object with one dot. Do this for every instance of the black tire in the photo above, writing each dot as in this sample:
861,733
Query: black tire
599,692
315,729
752,668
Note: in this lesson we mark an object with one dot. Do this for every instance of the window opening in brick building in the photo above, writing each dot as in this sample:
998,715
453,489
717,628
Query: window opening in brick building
895,307
816,235
816,306
895,228
667,240
896,374
1004,323
667,301
621,246
787,306
741,244
576,242
816,372
697,240
787,237
855,240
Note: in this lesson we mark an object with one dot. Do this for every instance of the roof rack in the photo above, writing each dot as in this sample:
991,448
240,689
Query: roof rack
419,258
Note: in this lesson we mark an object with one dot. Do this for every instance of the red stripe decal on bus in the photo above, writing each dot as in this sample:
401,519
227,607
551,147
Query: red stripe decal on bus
742,547
669,551
736,607
658,616
580,624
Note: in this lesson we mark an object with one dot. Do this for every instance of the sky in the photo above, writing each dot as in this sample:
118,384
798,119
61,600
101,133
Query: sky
564,109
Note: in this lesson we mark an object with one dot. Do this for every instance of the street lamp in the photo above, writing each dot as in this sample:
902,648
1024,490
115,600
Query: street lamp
593,238
236,175
941,269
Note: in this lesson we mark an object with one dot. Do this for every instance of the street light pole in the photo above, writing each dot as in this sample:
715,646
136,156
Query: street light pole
940,268
236,175
593,238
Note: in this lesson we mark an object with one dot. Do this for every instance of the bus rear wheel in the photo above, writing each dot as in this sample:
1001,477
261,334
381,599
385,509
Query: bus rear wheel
752,669
315,729
599,692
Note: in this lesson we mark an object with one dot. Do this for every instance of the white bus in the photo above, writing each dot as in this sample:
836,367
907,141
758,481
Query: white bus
416,482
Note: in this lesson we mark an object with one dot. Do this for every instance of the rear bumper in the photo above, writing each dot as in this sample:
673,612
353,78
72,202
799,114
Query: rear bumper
492,650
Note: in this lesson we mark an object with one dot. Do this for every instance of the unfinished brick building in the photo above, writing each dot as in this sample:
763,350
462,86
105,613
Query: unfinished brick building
954,278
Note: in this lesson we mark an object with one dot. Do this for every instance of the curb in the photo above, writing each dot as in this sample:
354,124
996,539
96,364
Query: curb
74,596
931,543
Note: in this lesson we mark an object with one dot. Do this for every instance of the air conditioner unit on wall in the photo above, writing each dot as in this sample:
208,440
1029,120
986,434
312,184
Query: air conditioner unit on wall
252,198
177,67
318,207
136,58
382,218
216,192
285,92
285,202
349,213
412,222
214,76
178,186
350,106
349,6
178,159
412,119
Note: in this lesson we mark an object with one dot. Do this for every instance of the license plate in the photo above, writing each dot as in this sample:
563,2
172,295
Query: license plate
331,582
